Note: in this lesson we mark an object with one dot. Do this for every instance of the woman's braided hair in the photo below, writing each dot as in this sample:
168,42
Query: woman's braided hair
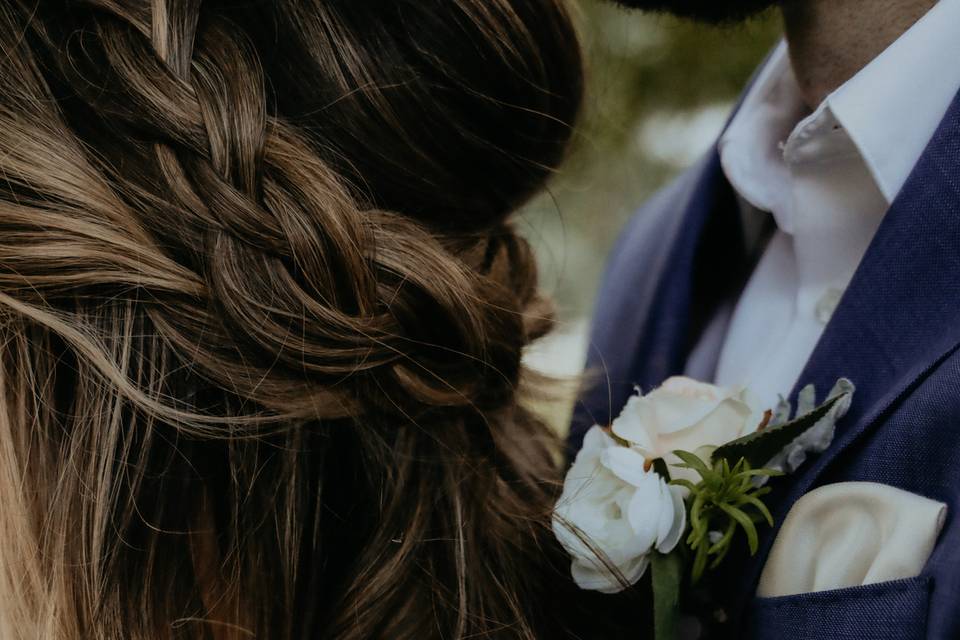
262,315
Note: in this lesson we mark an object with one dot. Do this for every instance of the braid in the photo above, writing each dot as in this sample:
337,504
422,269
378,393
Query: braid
274,285
278,231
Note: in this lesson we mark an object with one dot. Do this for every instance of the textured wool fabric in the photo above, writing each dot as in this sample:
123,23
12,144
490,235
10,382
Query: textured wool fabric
889,611
895,333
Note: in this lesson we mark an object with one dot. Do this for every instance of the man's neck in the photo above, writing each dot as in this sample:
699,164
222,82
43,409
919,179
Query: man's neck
831,40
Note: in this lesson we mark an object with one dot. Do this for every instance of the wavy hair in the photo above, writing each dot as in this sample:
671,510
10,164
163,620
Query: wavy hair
262,313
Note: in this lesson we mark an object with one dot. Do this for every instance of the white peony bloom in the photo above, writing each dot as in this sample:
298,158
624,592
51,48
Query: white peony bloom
611,504
686,415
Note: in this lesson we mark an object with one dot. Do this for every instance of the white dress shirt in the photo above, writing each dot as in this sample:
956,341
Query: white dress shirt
827,178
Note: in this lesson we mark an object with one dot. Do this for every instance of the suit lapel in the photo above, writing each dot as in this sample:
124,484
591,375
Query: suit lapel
677,259
704,263
708,261
899,318
681,256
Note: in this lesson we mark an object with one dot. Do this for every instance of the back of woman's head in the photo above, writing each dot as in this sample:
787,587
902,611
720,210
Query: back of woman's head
262,313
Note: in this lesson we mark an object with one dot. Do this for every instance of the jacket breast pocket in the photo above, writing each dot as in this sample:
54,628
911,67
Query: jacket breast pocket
894,610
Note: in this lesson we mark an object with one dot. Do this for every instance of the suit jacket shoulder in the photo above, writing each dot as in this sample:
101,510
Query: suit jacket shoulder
636,271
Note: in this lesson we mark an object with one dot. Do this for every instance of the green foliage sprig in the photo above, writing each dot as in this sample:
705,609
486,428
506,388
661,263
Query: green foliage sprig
726,499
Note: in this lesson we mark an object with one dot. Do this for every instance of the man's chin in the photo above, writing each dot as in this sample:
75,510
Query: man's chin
712,11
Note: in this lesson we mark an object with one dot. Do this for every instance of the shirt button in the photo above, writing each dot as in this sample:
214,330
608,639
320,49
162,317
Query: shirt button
828,304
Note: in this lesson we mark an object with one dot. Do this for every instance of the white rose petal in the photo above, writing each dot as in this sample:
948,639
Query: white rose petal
596,577
686,415
637,423
611,505
625,463
681,402
669,542
646,510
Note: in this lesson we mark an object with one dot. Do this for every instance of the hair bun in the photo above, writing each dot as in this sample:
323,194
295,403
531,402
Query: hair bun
263,317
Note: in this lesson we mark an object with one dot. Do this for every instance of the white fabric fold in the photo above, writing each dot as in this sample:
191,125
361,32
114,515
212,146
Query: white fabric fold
851,534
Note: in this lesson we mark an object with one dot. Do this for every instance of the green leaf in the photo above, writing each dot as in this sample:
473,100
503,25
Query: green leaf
692,461
719,557
700,562
666,570
746,524
759,506
698,536
698,523
772,473
727,538
760,447
685,484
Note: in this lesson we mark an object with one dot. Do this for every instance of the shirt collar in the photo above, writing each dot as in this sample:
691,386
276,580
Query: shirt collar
892,107
889,110
750,148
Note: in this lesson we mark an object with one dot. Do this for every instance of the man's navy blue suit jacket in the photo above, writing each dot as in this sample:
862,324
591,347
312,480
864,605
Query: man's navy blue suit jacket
895,333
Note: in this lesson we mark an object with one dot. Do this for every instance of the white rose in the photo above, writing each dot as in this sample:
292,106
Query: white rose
611,504
686,415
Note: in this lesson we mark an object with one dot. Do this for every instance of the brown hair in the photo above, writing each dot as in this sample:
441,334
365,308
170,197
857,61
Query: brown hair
262,314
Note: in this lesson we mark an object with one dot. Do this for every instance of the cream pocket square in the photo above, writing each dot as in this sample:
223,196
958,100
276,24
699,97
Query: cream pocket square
851,534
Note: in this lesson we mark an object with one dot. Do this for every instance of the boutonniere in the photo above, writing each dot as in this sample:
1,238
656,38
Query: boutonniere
676,478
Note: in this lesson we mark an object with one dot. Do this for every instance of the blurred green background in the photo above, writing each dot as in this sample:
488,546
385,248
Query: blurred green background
658,92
